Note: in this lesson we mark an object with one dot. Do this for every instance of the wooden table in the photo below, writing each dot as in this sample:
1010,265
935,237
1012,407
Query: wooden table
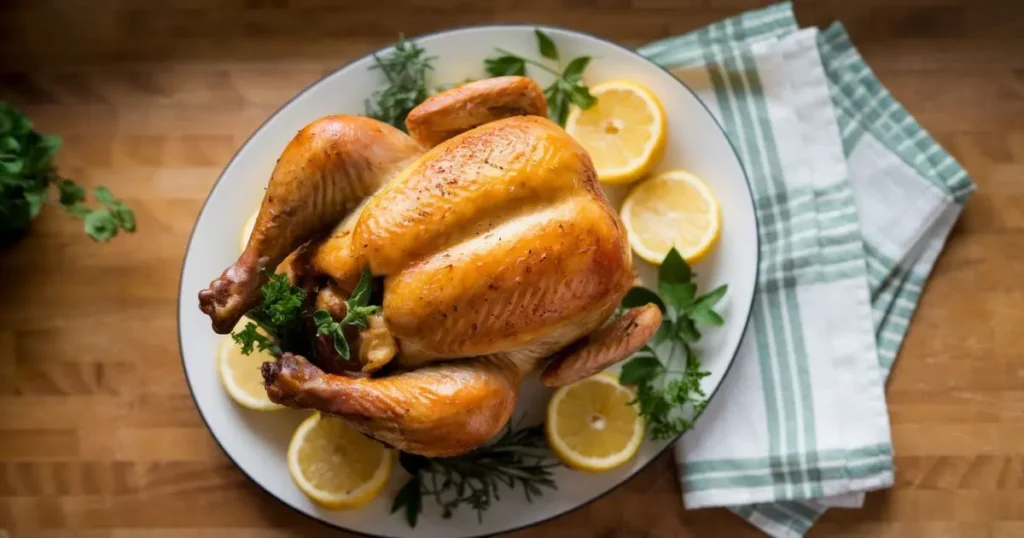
98,434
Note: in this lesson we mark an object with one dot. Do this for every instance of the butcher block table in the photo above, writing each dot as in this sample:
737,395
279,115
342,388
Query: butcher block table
98,434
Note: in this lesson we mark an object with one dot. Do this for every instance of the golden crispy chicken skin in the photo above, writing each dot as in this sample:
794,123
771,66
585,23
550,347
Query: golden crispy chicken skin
497,247
469,105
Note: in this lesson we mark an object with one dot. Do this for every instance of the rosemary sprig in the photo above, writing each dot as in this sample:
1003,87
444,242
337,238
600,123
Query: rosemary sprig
519,457
406,70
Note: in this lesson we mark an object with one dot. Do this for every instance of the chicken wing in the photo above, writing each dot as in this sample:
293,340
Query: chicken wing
325,171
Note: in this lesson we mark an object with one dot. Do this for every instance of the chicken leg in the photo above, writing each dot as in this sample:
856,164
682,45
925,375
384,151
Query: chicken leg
325,171
440,410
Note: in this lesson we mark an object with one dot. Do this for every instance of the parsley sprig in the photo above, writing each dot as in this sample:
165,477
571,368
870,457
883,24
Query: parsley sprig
568,87
279,315
667,371
406,70
358,309
519,457
28,175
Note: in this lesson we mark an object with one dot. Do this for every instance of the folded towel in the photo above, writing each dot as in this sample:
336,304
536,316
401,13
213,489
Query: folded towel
854,202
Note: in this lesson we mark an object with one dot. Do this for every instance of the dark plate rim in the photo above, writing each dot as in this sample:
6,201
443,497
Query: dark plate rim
188,247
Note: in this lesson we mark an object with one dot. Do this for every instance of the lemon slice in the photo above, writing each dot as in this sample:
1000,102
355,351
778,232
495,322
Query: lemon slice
624,132
591,425
672,209
247,229
240,374
335,465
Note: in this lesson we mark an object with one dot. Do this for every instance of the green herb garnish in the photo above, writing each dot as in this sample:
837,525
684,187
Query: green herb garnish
568,87
27,174
668,394
519,457
406,70
358,309
279,315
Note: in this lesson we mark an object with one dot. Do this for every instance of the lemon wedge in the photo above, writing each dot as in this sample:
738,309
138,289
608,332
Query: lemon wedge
335,465
591,425
240,374
624,132
247,230
672,209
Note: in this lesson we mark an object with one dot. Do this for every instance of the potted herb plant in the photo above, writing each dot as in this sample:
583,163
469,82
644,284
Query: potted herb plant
29,181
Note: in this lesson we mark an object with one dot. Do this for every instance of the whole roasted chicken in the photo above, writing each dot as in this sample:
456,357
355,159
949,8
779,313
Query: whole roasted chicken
499,254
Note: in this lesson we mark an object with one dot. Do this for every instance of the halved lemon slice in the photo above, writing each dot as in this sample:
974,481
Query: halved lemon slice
591,425
624,132
247,230
672,209
335,465
240,374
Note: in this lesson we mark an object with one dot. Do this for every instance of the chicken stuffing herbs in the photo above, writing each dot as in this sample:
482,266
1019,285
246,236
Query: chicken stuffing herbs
568,87
519,457
28,179
279,315
406,70
358,309
667,372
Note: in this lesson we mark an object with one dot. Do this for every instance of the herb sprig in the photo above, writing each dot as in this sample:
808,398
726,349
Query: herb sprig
406,70
358,309
27,174
279,315
568,87
667,371
519,457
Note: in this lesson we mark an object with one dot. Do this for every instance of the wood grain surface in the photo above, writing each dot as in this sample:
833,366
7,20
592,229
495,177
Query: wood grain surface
98,434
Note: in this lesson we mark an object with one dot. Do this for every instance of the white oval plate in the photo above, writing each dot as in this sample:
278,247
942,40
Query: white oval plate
257,441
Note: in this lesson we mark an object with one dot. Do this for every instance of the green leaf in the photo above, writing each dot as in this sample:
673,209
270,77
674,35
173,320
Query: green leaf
707,317
674,269
78,211
410,498
325,325
9,145
640,369
677,295
580,96
100,225
12,165
70,192
664,332
35,198
546,45
575,68
686,330
361,294
249,338
505,66
640,296
125,217
710,299
104,196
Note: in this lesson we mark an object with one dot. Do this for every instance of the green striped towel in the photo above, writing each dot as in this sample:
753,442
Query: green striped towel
854,201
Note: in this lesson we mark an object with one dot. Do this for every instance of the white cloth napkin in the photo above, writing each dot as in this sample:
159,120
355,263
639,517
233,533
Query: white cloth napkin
854,201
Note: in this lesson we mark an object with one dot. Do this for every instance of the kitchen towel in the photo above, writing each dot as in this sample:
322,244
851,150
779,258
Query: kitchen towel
854,201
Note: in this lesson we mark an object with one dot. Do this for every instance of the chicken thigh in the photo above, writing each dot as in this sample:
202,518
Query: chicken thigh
498,250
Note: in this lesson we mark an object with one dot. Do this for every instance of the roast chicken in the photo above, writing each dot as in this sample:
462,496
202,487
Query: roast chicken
499,253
